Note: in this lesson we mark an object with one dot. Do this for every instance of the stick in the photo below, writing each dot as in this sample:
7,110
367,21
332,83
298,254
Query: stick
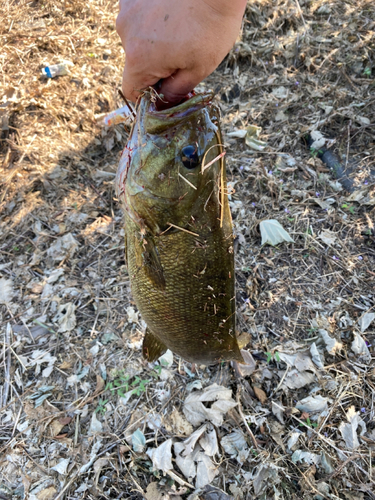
188,182
182,229
7,368
239,407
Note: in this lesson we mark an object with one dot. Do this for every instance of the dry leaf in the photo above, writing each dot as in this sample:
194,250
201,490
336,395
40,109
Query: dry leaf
6,291
260,394
196,412
100,384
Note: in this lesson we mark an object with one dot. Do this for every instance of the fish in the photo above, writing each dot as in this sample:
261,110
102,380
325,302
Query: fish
171,183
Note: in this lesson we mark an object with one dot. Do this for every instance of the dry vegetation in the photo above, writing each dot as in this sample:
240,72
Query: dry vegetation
80,407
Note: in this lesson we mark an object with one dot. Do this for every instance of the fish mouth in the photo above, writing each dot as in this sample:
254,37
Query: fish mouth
157,121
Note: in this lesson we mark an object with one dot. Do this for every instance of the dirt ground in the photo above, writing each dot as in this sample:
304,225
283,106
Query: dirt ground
82,414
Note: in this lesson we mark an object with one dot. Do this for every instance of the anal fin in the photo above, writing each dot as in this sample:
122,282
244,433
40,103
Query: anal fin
152,348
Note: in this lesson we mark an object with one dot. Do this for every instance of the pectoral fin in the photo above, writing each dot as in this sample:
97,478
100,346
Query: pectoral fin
152,348
151,261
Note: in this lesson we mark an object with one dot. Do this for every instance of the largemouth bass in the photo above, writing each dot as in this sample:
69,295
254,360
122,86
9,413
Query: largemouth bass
171,182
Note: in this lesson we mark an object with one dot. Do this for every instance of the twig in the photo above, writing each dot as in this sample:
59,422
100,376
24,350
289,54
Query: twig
249,431
7,367
182,229
328,441
127,103
178,480
311,485
281,381
339,468
188,182
139,489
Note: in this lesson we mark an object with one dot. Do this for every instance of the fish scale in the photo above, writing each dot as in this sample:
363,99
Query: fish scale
178,234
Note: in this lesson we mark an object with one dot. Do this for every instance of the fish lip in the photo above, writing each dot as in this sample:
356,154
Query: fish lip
157,121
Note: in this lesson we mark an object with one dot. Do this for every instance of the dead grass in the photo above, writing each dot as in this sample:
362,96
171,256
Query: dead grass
68,323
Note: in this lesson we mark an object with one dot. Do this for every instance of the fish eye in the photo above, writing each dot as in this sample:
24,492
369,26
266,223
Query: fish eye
189,156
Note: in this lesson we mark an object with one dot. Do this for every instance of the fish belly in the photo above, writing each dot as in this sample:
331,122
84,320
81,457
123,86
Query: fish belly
194,314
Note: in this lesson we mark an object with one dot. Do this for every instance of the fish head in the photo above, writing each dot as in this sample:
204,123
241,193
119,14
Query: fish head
162,172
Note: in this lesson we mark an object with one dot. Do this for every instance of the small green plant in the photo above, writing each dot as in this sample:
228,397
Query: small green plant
122,383
271,355
16,248
315,152
348,207
101,406
312,330
367,71
308,423
246,269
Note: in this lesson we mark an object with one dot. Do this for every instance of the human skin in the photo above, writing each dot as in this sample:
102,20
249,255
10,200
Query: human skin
173,45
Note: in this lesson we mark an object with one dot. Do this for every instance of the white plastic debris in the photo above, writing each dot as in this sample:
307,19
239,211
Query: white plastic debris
120,115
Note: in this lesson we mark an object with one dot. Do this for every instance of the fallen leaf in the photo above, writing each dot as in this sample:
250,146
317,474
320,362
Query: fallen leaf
132,314
100,384
260,394
66,317
313,404
278,410
63,247
162,456
153,492
235,445
206,470
305,456
209,441
186,464
360,348
273,233
96,426
332,345
166,359
316,357
196,412
192,440
177,424
6,291
251,138
296,379
265,476
138,441
318,140
62,466
46,494
349,430
248,367
366,320
328,237
292,441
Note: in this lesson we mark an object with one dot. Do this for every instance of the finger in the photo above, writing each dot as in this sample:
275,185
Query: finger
177,86
133,84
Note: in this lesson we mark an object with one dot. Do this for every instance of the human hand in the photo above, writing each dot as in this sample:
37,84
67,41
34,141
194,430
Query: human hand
175,42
